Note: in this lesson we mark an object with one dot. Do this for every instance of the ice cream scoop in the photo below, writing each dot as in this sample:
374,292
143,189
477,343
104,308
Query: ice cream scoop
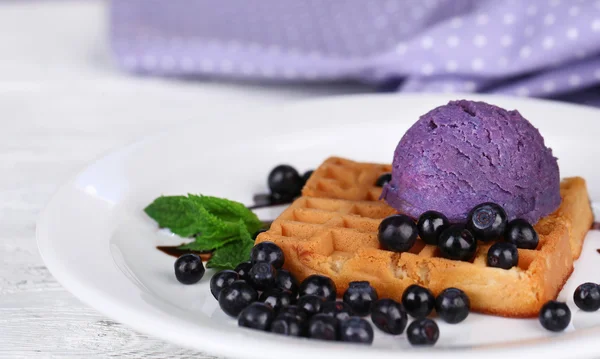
466,153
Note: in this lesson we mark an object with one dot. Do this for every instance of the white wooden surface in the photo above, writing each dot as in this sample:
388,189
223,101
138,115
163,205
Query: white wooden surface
52,56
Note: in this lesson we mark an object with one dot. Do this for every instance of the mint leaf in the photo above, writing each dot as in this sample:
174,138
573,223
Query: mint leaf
201,243
178,213
228,211
233,253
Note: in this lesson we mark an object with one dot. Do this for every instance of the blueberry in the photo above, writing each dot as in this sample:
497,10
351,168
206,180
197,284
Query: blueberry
286,281
452,305
237,297
243,269
587,297
262,230
221,280
555,316
288,324
285,180
389,316
323,327
262,276
418,301
276,298
189,269
487,221
339,310
318,285
267,252
256,316
383,179
306,176
397,233
356,330
295,311
311,304
521,233
423,331
430,225
359,296
456,242
503,255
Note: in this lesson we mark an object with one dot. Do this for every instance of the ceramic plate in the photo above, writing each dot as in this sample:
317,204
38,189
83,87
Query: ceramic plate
97,241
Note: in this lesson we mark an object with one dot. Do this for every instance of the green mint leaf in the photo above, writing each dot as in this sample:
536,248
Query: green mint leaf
233,253
228,211
201,243
178,213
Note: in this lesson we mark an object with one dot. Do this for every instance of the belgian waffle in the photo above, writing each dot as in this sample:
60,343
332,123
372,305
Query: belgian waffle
323,234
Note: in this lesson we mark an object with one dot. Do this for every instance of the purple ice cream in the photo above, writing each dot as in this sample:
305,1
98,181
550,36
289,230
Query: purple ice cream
465,153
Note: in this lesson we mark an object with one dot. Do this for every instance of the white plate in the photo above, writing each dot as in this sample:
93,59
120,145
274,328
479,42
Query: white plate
96,240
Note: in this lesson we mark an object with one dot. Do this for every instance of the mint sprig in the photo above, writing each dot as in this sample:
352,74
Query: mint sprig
218,224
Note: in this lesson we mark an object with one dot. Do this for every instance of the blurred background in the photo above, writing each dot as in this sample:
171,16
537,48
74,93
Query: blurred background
81,77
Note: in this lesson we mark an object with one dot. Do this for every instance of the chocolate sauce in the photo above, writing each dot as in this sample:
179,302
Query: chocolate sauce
598,250
174,251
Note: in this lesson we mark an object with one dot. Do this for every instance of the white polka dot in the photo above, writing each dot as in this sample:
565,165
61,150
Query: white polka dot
529,31
554,3
574,80
480,41
506,40
574,10
470,86
267,71
477,64
381,22
427,69
549,19
417,13
503,61
149,61
449,88
532,10
167,63
451,66
207,65
290,73
482,19
401,48
427,42
573,33
522,91
525,52
597,74
548,42
391,6
509,19
187,64
549,86
453,41
596,25
247,68
226,66
456,23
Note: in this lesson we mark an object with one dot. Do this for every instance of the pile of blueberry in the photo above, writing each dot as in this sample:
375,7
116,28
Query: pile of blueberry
263,296
486,222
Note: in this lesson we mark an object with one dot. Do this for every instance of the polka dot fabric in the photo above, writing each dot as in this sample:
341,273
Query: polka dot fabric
545,48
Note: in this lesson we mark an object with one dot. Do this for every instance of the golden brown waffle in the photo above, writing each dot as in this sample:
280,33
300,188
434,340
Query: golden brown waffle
345,179
338,238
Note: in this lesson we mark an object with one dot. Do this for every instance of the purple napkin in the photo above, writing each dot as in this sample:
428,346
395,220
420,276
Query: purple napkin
543,48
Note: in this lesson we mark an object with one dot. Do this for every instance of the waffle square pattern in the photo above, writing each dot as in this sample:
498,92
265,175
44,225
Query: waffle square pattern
332,230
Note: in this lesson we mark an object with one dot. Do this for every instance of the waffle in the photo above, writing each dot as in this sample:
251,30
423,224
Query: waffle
338,238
